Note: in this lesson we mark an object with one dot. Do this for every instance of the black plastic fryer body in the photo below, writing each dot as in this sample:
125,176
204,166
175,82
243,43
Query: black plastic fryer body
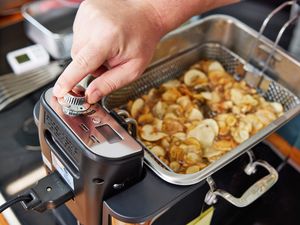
92,177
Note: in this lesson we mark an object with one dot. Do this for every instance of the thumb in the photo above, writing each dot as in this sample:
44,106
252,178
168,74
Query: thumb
84,62
113,79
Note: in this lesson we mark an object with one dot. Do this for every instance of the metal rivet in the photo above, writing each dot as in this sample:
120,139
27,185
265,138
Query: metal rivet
118,186
48,189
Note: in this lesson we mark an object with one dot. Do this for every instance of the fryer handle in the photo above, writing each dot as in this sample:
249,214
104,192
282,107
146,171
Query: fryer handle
251,194
266,22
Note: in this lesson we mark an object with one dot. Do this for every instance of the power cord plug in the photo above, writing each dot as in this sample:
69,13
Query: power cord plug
48,193
14,201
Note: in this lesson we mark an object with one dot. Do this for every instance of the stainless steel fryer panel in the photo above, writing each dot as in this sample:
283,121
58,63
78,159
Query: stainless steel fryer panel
173,65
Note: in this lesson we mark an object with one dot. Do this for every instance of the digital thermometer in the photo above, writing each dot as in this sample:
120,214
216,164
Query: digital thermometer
28,58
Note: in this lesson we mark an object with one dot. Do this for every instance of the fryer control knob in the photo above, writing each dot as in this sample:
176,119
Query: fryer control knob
75,97
74,102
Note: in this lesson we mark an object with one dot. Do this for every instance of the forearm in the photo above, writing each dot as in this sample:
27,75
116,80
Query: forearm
173,13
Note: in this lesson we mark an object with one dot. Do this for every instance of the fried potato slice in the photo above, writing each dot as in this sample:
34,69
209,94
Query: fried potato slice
149,133
194,120
137,107
204,133
193,77
215,66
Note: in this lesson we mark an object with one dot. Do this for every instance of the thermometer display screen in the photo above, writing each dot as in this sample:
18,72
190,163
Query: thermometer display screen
22,58
109,134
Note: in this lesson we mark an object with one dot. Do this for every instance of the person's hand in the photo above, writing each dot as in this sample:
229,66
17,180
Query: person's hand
122,35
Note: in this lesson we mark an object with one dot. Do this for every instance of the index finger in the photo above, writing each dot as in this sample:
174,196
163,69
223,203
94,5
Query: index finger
84,62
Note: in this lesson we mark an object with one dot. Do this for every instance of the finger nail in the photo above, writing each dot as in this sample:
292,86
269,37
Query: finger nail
58,91
94,97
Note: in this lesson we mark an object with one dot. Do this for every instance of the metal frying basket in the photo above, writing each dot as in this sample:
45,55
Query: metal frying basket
230,46
173,68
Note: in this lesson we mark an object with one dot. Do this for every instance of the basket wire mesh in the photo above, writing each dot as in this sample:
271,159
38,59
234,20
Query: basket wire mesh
175,67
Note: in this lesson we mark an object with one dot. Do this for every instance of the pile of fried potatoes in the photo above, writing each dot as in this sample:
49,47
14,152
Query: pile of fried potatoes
192,121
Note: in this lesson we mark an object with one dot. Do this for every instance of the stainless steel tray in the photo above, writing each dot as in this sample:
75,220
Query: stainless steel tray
49,23
229,41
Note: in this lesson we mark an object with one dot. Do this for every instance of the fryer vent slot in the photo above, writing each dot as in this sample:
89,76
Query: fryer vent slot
62,138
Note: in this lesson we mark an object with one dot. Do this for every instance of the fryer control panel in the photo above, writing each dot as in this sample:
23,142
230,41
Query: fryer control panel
93,126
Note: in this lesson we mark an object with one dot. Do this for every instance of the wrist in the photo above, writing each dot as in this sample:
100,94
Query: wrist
172,13
153,16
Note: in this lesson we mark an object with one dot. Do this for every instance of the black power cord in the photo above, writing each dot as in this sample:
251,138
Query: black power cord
48,193
13,201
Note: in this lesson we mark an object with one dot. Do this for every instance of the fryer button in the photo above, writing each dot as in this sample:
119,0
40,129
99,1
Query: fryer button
96,120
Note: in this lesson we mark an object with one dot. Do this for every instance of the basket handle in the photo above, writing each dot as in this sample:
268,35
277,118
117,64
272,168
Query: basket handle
278,38
252,193
294,15
265,23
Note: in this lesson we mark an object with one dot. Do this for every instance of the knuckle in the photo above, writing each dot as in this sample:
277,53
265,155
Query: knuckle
110,84
63,83
81,61
115,29
111,28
